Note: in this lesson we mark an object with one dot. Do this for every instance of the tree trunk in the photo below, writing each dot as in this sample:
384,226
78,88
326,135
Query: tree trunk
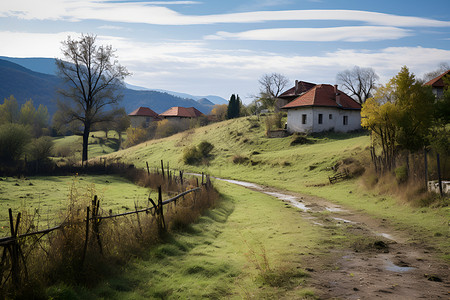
86,132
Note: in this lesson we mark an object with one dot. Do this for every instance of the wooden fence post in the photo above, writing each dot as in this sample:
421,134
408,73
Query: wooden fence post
137,216
160,212
14,250
148,169
439,173
425,158
96,221
162,168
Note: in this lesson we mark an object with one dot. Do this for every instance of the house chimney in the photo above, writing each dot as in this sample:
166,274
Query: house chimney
338,95
296,87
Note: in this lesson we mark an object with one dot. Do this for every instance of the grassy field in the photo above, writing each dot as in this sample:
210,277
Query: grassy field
249,246
302,168
70,146
49,195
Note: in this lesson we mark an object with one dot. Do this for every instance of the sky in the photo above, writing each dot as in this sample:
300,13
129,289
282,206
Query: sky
223,47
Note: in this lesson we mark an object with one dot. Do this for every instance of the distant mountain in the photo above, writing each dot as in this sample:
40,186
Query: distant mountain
36,64
212,98
48,66
26,84
205,101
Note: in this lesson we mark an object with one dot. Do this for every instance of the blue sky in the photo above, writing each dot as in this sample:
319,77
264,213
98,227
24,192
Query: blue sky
224,47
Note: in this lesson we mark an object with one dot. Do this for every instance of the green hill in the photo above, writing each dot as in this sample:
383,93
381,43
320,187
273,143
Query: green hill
243,152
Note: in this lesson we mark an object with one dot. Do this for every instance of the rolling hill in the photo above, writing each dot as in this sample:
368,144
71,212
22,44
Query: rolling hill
25,84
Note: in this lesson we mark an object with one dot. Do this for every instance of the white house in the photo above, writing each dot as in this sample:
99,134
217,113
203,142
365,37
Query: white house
323,108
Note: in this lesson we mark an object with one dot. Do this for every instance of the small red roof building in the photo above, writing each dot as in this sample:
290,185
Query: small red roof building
181,112
438,84
438,81
144,112
324,95
142,117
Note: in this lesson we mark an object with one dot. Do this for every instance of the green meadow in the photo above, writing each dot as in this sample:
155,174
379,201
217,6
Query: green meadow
249,246
243,152
48,196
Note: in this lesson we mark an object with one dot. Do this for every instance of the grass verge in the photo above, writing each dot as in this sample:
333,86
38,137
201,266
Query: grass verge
250,246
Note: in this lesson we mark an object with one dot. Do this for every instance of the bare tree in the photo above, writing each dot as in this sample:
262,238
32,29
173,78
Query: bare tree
271,86
93,80
442,67
358,82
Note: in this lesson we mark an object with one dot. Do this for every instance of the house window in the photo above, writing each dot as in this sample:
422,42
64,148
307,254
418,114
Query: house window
330,116
320,118
345,120
303,119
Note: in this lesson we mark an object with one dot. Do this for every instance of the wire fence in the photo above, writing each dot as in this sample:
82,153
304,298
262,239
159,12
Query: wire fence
17,248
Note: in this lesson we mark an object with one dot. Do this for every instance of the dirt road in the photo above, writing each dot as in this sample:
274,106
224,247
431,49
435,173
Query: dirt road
377,262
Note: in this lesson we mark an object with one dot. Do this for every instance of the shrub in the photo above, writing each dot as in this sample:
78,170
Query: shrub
170,127
191,156
274,122
135,136
239,159
41,148
299,139
13,139
401,174
205,148
196,154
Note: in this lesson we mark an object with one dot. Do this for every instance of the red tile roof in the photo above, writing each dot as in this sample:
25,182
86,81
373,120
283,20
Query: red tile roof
182,112
144,111
438,81
302,86
323,95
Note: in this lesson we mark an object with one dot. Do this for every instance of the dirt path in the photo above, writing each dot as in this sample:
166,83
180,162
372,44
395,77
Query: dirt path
378,263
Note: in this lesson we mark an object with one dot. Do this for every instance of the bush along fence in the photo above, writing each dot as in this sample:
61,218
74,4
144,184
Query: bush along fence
89,240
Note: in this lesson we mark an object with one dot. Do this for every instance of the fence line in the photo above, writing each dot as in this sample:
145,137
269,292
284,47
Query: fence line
15,263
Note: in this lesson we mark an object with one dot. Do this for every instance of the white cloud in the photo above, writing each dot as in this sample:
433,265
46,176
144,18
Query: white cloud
110,27
195,68
148,13
347,34
26,44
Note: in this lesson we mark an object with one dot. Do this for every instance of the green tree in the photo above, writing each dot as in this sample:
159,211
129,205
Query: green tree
219,111
234,106
93,79
399,117
415,105
9,111
120,123
13,140
231,105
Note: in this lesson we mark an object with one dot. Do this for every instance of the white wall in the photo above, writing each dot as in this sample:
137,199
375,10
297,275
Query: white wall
294,122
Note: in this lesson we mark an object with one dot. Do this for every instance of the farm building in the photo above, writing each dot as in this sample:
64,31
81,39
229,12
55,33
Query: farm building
142,117
438,85
323,108
179,112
